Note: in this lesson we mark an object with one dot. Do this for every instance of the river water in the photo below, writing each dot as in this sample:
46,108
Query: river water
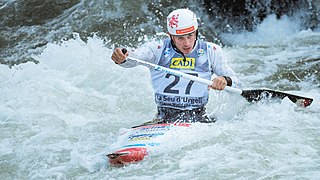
59,117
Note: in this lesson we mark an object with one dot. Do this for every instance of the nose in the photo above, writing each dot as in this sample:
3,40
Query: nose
186,42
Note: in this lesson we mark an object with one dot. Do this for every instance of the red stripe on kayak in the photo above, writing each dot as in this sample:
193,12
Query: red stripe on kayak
126,156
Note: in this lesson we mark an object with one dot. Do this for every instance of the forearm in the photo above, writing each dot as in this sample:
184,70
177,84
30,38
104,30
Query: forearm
147,52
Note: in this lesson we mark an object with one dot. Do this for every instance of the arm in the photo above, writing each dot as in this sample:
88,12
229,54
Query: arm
149,52
226,76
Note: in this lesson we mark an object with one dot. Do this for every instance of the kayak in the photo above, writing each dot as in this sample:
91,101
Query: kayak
133,145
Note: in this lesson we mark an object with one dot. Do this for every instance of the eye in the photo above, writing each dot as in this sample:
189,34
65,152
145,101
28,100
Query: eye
180,38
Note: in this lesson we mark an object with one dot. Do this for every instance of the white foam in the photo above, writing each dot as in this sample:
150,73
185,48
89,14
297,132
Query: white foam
58,118
270,31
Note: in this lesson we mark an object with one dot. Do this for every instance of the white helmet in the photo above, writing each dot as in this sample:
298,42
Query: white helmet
181,22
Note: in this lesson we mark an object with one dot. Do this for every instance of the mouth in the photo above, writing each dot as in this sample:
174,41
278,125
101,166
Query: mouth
186,49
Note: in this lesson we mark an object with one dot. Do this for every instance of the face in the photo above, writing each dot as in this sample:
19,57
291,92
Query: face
185,43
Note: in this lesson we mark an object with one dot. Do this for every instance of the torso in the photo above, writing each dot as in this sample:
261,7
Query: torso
180,93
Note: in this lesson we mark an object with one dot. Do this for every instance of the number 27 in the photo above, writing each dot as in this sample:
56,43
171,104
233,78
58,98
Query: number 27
169,88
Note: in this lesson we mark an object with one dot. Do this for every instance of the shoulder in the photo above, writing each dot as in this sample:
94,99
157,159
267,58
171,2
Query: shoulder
213,47
155,44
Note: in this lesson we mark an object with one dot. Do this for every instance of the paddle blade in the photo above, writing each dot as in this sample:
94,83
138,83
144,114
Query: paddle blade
259,94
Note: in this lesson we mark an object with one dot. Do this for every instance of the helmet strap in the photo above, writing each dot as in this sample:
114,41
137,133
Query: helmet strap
176,49
197,34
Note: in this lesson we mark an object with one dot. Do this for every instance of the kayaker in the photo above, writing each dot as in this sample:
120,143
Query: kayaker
179,99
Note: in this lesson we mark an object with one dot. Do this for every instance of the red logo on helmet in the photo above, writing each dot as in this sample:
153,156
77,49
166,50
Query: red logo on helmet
174,21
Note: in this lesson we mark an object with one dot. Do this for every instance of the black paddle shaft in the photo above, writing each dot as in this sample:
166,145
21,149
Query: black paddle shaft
124,50
259,94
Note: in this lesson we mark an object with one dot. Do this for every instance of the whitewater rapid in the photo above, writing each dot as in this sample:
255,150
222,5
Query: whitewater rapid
59,117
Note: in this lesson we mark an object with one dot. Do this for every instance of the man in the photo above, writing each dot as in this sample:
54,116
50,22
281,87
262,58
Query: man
179,99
